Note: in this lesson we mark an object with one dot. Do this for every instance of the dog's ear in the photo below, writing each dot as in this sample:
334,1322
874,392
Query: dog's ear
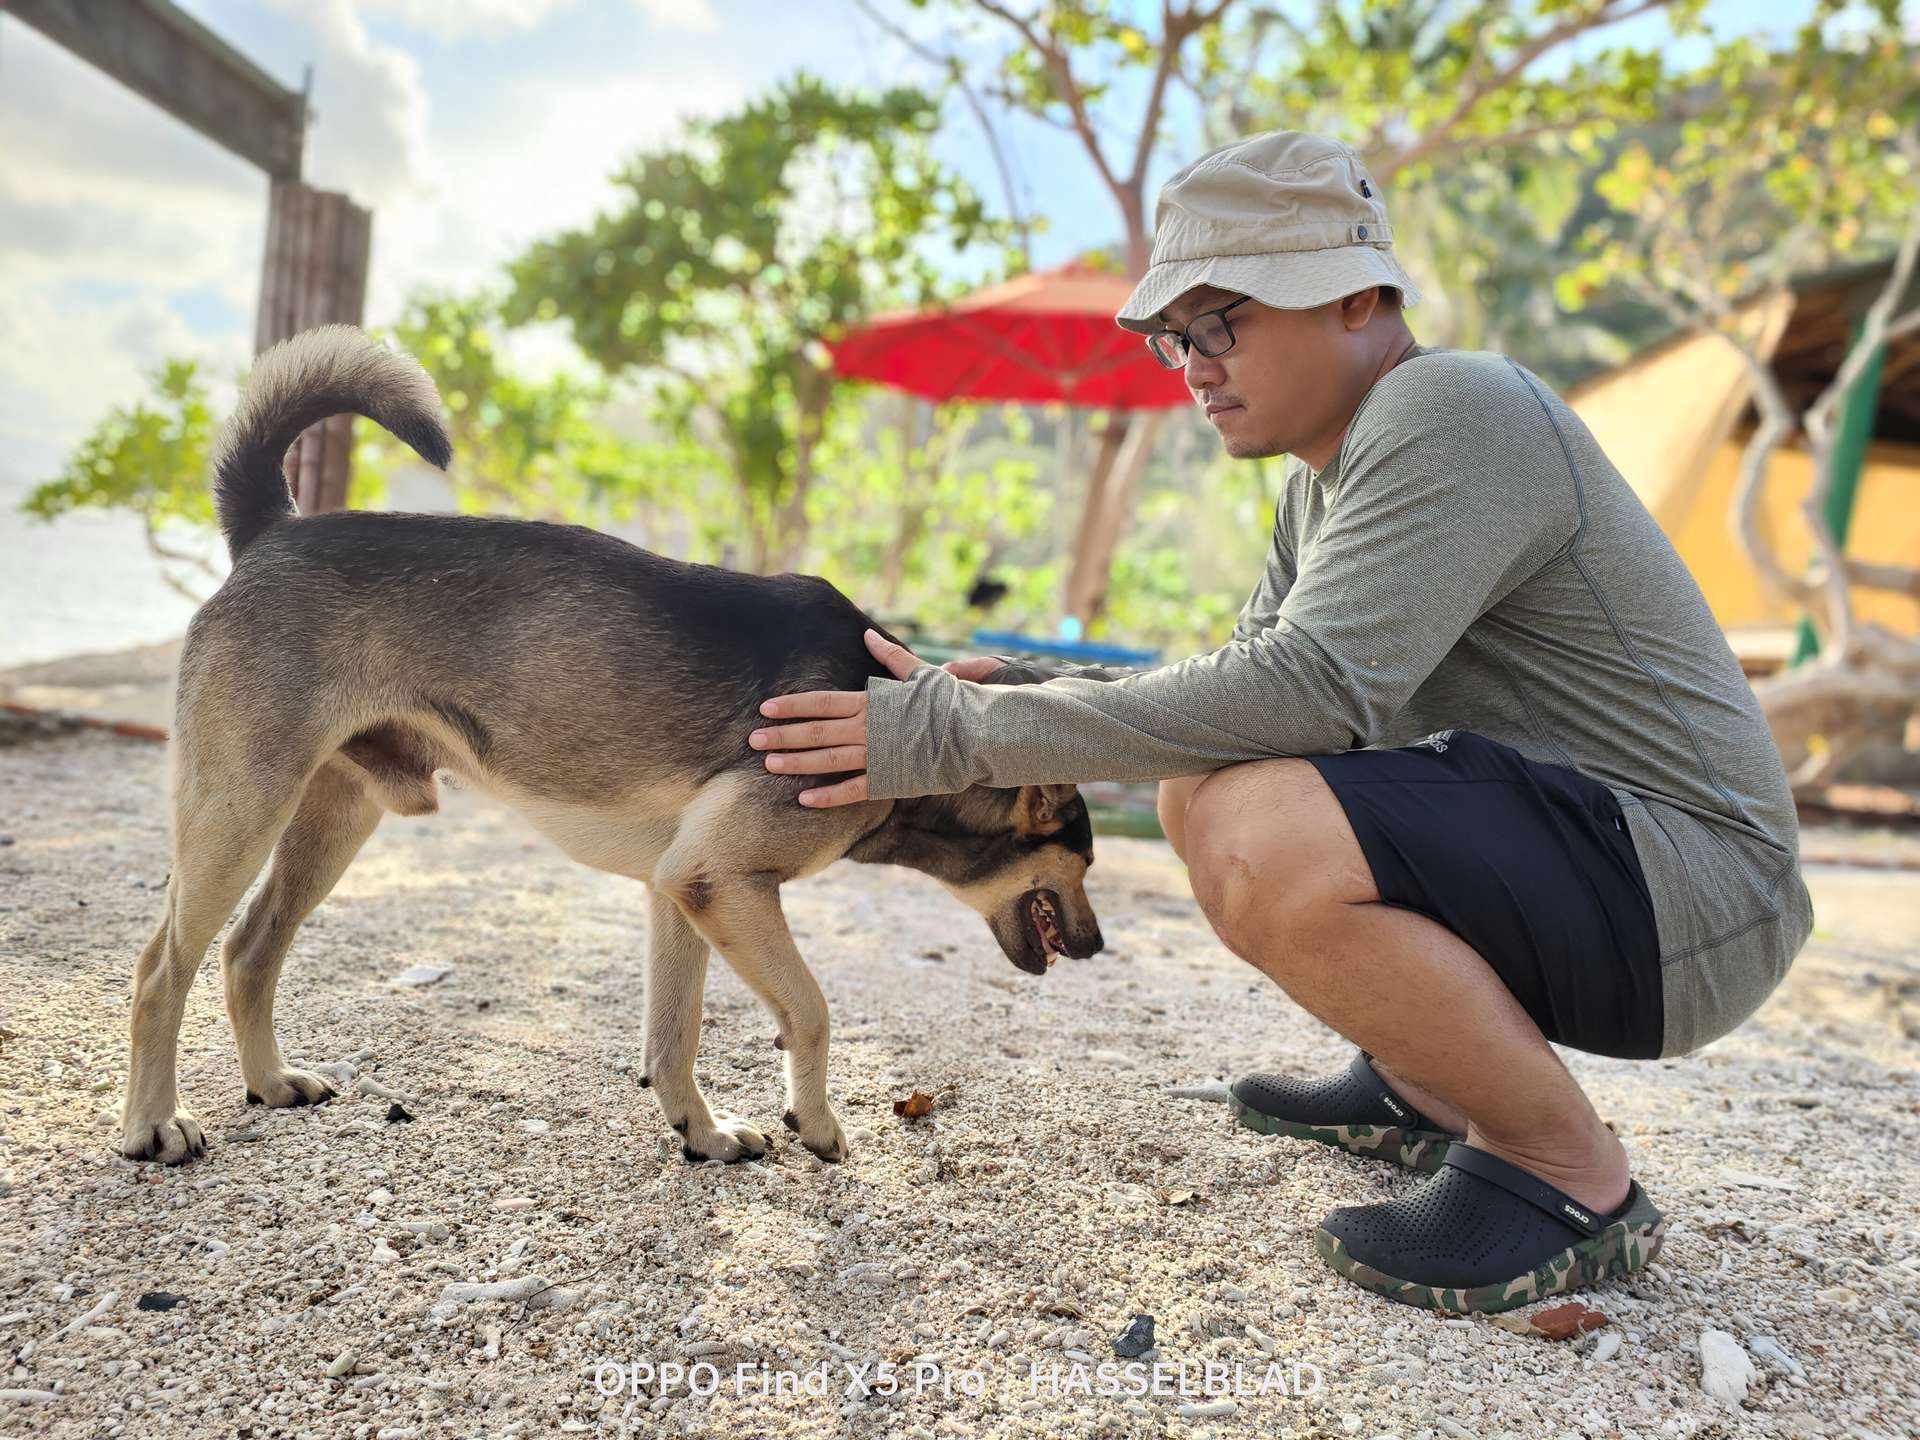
1018,672
1036,808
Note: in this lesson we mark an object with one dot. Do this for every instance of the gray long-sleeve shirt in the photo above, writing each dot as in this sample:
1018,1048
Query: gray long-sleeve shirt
1469,559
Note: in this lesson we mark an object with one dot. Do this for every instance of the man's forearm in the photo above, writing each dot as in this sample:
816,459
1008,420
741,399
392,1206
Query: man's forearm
1277,694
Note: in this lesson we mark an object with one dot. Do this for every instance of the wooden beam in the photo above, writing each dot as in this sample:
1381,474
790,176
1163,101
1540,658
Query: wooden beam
314,273
166,56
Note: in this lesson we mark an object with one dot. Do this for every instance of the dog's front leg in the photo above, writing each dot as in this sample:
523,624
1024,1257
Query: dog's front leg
676,977
741,916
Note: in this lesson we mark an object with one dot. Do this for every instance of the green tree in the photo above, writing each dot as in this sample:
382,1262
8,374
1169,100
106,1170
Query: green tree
152,458
924,499
536,448
735,254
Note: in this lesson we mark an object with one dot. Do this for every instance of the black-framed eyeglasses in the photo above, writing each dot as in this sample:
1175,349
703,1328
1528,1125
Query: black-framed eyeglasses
1209,333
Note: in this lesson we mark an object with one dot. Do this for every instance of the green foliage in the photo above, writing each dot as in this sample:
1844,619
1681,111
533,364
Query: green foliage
1788,167
1421,81
735,254
150,457
906,528
520,446
1199,537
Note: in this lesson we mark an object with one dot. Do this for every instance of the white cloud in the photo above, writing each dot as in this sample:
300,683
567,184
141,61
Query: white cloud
94,182
368,134
108,210
682,14
498,19
62,366
460,19
540,166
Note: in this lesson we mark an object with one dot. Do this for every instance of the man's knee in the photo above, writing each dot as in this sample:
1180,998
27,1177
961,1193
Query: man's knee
1175,796
1270,853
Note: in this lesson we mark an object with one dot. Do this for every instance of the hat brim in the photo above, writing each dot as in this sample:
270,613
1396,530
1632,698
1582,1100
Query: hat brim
1285,280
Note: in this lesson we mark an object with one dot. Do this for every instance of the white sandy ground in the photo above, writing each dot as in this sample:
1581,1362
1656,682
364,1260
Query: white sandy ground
1024,1222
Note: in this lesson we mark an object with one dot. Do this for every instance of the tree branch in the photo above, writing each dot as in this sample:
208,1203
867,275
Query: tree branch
1819,419
165,554
1493,81
1898,578
1069,87
956,73
1171,39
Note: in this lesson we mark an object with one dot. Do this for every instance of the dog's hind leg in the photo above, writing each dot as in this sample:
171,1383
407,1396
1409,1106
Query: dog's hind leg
225,822
676,979
335,817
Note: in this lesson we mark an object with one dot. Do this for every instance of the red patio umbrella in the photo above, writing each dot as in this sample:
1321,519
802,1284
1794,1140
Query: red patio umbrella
1045,336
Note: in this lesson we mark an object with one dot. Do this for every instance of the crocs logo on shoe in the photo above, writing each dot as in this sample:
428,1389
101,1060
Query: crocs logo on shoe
1580,1215
1392,1104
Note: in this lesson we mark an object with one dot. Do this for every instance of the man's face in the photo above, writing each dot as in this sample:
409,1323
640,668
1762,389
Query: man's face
1290,381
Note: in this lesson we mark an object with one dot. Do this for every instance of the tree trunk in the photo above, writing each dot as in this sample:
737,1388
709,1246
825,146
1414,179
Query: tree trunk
1088,554
913,511
1106,515
813,390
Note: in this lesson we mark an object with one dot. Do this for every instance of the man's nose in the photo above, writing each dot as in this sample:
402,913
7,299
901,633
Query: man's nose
1202,372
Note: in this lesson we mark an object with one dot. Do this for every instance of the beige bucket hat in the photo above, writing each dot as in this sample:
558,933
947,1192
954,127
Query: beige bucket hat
1289,218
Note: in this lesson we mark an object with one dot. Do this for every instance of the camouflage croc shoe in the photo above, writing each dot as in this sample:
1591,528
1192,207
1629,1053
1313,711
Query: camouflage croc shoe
1483,1235
1356,1111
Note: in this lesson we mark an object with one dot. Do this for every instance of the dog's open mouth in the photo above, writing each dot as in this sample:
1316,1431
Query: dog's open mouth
1044,917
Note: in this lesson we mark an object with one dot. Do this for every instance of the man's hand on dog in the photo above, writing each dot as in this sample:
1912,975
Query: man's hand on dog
833,737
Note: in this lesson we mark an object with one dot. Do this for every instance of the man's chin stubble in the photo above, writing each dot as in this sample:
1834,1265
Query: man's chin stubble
1238,449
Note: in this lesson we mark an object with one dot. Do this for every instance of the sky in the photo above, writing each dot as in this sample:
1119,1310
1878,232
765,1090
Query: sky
470,127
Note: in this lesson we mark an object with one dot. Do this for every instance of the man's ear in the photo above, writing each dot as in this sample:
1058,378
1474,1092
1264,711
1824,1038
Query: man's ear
1036,808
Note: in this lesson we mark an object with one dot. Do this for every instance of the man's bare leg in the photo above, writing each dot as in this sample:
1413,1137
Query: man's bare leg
1175,796
1275,866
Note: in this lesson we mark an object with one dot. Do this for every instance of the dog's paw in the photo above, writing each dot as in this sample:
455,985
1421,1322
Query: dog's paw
291,1087
171,1139
724,1139
822,1135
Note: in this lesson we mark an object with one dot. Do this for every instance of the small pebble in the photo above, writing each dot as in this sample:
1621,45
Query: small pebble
417,975
1767,1348
1136,1339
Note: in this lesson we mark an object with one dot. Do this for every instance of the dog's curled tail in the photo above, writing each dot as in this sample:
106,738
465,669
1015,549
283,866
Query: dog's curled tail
316,374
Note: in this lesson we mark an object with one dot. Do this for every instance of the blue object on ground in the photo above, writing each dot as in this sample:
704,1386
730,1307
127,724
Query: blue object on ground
1001,641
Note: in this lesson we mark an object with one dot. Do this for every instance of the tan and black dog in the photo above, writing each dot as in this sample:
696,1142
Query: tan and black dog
602,691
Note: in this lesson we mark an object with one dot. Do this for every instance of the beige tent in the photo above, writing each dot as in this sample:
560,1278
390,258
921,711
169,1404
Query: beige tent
1676,418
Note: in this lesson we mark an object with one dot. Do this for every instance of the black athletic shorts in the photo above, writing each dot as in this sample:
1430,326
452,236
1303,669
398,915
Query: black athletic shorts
1530,864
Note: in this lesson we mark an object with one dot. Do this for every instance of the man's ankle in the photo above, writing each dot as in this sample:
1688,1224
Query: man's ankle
1435,1110
1596,1173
